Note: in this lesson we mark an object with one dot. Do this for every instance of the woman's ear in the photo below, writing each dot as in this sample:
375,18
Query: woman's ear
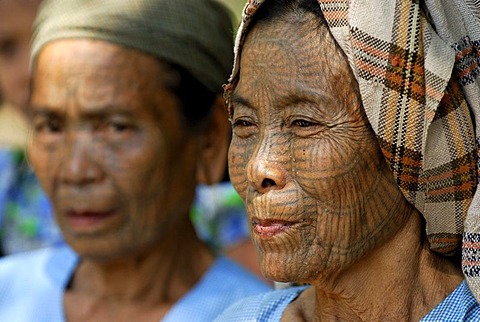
212,158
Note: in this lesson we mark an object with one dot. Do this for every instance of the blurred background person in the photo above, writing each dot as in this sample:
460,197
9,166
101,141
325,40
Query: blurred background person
26,220
127,118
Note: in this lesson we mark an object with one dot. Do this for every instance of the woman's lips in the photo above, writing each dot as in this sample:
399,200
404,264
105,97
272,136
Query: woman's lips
270,227
87,219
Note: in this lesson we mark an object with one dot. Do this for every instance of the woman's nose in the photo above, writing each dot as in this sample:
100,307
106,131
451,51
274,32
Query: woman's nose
77,164
266,170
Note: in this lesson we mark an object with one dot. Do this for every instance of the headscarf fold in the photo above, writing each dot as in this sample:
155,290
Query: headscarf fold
418,68
200,42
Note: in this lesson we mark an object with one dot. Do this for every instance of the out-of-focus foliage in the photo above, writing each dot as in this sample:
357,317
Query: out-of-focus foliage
236,6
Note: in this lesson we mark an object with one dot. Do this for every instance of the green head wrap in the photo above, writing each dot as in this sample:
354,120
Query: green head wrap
195,34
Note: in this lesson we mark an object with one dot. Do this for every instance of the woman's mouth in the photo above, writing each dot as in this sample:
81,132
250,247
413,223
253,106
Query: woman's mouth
270,227
83,220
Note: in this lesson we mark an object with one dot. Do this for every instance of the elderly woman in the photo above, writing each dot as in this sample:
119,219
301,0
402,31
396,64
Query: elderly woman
126,121
361,196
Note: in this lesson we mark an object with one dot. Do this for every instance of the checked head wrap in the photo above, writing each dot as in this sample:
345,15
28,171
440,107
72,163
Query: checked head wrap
194,34
418,68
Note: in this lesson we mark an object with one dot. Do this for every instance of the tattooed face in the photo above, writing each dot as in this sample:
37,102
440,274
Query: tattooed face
109,147
303,157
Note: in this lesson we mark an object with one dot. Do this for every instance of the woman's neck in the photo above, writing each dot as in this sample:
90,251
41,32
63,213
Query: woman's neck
154,279
400,281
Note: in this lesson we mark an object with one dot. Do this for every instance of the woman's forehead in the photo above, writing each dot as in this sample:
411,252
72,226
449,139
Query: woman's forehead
94,52
301,52
303,40
295,36
94,72
98,61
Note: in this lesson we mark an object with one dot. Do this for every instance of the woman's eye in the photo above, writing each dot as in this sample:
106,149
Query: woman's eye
117,130
244,127
118,126
306,128
47,131
48,126
303,123
242,123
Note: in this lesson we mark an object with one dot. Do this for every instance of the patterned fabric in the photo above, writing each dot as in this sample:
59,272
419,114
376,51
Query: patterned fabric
219,216
201,42
26,217
419,78
460,305
32,286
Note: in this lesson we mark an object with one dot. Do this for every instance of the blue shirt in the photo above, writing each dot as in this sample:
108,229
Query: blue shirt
264,307
26,216
32,286
460,305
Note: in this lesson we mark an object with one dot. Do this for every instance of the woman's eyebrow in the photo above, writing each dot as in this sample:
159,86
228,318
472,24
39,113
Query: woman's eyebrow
301,94
43,111
304,93
102,113
238,99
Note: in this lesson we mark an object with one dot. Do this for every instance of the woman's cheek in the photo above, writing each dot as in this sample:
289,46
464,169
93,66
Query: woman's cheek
323,169
309,165
238,157
43,161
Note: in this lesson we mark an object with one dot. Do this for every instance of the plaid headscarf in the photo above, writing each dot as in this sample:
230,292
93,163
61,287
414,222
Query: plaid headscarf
195,34
419,79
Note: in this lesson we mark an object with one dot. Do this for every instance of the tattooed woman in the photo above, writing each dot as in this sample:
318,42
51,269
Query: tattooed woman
356,169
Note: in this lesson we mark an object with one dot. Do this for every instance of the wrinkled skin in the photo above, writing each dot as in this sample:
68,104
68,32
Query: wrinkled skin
310,156
323,206
16,19
107,141
120,166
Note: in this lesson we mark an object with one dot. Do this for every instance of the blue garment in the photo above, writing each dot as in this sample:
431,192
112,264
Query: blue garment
460,305
32,286
26,217
219,216
264,307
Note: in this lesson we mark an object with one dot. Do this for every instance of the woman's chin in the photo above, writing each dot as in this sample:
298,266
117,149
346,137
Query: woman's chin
277,269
